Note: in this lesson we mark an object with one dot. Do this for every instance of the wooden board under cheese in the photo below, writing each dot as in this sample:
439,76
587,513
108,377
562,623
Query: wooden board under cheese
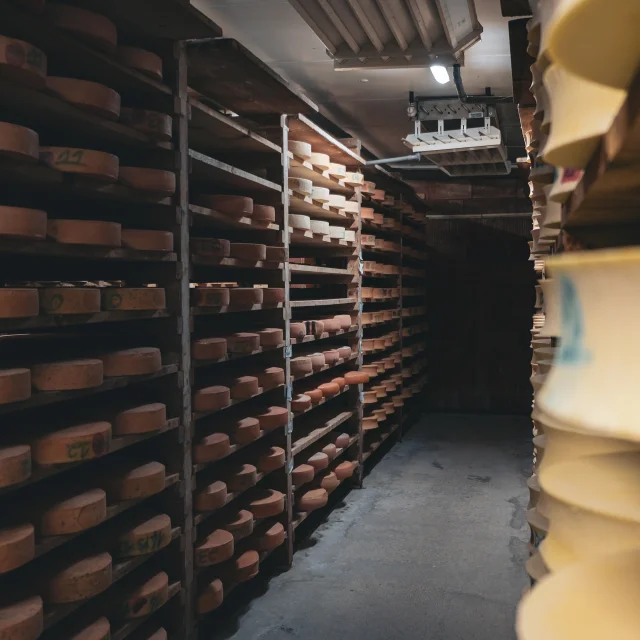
79,580
133,299
22,63
69,300
19,222
147,240
147,597
145,418
22,620
217,547
147,536
73,514
67,375
88,96
17,547
73,444
142,60
88,26
140,481
156,125
132,362
92,232
87,162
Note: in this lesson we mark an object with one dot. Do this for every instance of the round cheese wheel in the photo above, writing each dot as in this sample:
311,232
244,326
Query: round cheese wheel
329,481
316,395
331,356
243,343
315,327
92,232
240,524
349,236
344,321
22,63
351,206
147,240
271,337
69,375
341,382
156,125
211,597
331,325
215,548
266,504
299,222
264,213
381,391
74,444
389,408
354,179
320,227
132,362
133,299
320,160
246,430
95,164
98,630
321,194
271,460
212,447
368,345
337,170
272,296
342,440
370,369
273,418
313,499
270,537
210,297
18,222
212,497
17,547
248,252
232,206
243,298
143,419
276,254
155,182
302,474
139,482
369,397
88,26
80,580
66,300
369,423
244,387
344,352
319,461
330,450
18,303
302,186
329,389
344,470
88,96
22,620
211,398
18,143
148,597
301,366
244,567
337,201
74,514
317,361
144,61
336,233
209,349
356,377
300,403
302,149
147,536
242,478
298,330
211,247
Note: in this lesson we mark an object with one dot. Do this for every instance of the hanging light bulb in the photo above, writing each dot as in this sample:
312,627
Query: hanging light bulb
440,73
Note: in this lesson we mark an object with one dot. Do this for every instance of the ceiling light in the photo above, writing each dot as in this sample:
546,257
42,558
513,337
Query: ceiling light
364,79
440,73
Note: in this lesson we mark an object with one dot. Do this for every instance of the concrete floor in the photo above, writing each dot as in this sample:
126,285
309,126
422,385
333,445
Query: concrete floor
433,547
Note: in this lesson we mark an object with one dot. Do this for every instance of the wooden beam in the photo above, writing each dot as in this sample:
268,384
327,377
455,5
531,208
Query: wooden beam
392,22
418,18
366,24
339,25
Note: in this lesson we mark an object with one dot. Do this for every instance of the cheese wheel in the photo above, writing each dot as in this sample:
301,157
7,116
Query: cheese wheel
320,227
344,321
351,206
98,630
315,327
211,247
144,61
156,125
69,375
88,26
143,419
246,430
271,460
74,444
267,503
356,377
211,448
22,620
344,352
147,536
18,143
132,362
319,461
211,597
18,303
331,356
298,330
243,343
67,300
313,499
320,160
354,179
133,299
344,470
300,185
240,524
368,187
329,389
371,370
95,164
369,397
315,395
272,296
88,96
139,482
342,440
147,598
160,634
330,450
244,567
336,233
337,170
271,337
212,497
337,201
80,580
18,222
243,298
369,423
299,222
276,254
74,514
329,481
367,213
17,547
300,403
232,206
317,361
154,182
270,537
270,378
349,236
302,474
264,213
244,387
273,418
209,349
92,232
321,194
210,297
301,366
211,398
147,240
248,252
242,478
22,63
302,149
340,382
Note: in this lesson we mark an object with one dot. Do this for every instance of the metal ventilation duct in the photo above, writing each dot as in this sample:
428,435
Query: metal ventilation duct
383,34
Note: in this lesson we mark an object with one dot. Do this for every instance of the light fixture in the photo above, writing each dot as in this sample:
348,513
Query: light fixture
364,79
440,73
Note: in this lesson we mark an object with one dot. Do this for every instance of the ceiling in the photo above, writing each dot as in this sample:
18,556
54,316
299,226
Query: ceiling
369,104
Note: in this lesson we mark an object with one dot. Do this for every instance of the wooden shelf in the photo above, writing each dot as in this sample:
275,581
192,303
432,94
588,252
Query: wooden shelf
326,367
301,168
320,432
197,415
202,216
320,403
298,237
237,356
297,304
313,270
318,210
325,336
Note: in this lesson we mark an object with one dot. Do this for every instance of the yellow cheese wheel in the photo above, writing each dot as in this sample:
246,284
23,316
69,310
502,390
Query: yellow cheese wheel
211,448
22,620
272,296
232,206
67,300
149,535
155,182
215,548
147,597
95,164
299,222
132,362
244,387
240,524
85,25
18,222
211,398
209,349
271,337
241,298
321,194
67,375
276,254
74,444
270,537
137,482
210,297
147,240
320,160
98,630
211,597
271,459
21,62
267,503
242,478
72,515
320,227
246,430
212,497
18,143
88,96
301,186
80,580
17,547
243,343
273,418
142,419
18,303
354,179
312,499
133,299
156,125
248,252
337,170
93,232
270,378
302,149
264,213
144,61
337,233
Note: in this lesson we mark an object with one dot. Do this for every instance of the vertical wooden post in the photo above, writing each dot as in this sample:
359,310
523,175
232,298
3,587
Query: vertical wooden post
359,306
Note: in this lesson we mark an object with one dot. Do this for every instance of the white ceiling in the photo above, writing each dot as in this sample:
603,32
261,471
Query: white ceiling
374,111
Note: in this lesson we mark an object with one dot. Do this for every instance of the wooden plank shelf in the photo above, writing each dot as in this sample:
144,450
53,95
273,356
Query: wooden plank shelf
311,270
298,237
204,217
301,168
324,336
339,453
326,367
320,403
320,432
234,403
214,311
298,304
204,260
317,210
376,445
